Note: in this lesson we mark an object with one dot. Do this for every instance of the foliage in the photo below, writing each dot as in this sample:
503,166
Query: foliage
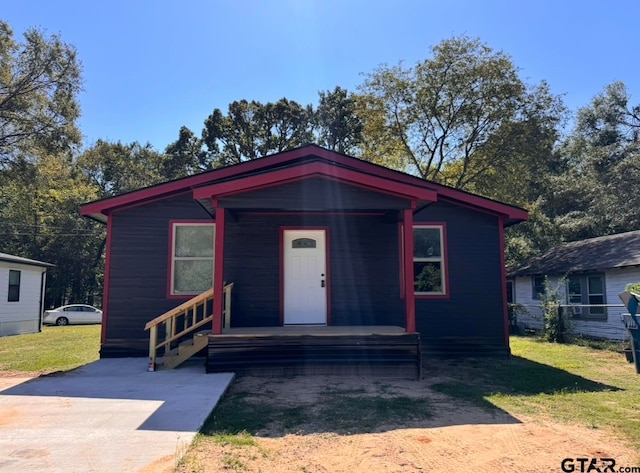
39,202
633,287
251,130
556,322
115,168
429,279
53,349
39,82
596,194
184,156
338,124
460,114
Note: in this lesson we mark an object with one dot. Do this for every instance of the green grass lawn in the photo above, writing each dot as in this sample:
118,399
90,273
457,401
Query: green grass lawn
569,383
53,349
572,384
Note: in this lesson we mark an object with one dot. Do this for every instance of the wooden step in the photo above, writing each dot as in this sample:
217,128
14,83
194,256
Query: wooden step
184,351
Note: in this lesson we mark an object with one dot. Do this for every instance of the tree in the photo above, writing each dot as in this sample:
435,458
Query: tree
39,82
116,168
184,156
518,160
590,190
598,193
450,116
39,200
251,130
337,122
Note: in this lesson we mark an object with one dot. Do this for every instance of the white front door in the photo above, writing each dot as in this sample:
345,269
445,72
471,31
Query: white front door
305,282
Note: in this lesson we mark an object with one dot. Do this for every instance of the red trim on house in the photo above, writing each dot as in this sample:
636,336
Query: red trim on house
271,213
410,301
172,222
218,272
368,169
309,170
107,281
327,267
401,258
475,201
503,278
445,261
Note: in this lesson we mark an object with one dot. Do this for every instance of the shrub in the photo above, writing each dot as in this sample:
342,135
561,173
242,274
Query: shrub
556,322
633,287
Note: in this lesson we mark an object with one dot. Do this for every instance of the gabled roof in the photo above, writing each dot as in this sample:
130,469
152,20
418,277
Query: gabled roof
594,254
27,261
372,175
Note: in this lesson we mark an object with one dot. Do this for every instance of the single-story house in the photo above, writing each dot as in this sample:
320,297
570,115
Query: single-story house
22,284
589,275
307,238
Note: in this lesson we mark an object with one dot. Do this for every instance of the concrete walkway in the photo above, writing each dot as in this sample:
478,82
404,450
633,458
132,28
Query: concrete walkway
108,416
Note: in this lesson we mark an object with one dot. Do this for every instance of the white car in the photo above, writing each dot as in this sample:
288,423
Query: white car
72,314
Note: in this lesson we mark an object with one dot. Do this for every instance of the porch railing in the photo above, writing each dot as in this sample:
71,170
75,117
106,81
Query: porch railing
184,320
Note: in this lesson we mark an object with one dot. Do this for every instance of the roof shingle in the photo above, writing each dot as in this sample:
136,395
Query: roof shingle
606,252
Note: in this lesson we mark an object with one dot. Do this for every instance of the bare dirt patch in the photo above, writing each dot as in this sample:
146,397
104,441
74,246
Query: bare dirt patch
454,436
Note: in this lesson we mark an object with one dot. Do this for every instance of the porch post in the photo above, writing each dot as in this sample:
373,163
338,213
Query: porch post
410,298
503,277
218,272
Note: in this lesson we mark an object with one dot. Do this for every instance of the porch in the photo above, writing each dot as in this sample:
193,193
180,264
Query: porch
387,351
183,332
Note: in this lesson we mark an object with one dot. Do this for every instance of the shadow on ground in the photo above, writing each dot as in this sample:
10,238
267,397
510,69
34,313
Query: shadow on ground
473,380
452,392
171,400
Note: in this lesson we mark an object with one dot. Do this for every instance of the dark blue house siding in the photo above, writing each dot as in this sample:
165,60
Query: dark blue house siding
314,194
363,264
138,277
474,308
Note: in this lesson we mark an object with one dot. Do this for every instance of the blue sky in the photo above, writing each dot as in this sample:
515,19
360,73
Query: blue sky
152,66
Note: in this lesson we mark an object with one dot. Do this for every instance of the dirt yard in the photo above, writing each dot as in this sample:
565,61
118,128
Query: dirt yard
456,436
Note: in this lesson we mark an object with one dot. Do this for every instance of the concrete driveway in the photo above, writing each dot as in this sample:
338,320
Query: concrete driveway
108,416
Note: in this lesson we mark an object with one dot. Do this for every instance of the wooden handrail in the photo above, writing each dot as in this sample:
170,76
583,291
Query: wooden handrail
181,308
192,321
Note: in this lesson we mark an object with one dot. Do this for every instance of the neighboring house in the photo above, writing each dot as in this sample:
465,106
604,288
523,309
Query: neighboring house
22,283
308,237
589,275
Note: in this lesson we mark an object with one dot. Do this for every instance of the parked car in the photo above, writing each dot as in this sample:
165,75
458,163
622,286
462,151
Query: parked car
72,314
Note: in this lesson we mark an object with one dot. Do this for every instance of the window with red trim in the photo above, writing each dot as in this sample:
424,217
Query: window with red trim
192,258
429,269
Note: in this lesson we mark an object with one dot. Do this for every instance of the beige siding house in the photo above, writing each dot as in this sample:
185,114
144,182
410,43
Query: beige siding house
589,275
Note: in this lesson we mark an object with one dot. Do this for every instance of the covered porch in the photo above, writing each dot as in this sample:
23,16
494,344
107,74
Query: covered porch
321,265
321,241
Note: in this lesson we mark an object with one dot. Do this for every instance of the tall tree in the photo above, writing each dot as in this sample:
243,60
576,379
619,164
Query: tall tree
449,110
251,130
603,158
39,200
39,82
337,122
184,156
116,167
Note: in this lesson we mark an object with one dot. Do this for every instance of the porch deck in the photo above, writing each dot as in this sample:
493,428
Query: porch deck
315,330
387,351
